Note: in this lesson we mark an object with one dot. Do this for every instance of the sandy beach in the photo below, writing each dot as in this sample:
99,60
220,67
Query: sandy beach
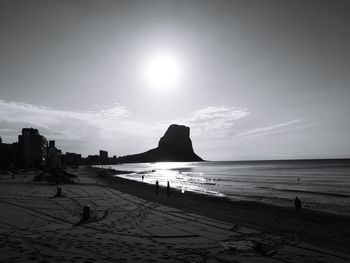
130,223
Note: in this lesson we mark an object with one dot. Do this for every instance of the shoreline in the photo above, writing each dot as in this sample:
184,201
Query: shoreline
322,186
318,228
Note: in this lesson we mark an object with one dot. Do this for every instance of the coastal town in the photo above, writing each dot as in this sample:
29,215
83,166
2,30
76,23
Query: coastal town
33,150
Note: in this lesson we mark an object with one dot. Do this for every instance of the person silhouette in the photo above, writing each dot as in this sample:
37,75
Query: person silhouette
168,189
297,204
157,187
142,178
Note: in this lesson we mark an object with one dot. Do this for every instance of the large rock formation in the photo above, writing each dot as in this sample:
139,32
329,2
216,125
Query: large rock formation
174,146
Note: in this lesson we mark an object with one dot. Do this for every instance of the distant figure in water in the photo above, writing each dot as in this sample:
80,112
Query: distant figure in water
142,178
157,187
297,204
168,189
298,179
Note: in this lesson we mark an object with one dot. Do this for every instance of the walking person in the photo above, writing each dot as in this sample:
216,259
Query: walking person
168,189
157,187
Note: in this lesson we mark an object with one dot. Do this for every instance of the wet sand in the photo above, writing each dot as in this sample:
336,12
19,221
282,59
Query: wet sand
129,223
321,229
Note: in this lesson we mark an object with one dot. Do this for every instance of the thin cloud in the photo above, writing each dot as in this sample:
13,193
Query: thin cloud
276,128
213,125
69,123
75,130
214,122
212,113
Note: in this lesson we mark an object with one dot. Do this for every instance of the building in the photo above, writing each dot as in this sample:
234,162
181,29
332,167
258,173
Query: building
72,159
53,155
33,148
93,159
16,154
103,154
5,155
103,157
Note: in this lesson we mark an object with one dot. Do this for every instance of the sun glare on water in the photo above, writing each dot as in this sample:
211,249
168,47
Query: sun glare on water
162,71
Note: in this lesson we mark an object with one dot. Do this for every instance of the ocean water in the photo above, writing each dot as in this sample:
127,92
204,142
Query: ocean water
322,185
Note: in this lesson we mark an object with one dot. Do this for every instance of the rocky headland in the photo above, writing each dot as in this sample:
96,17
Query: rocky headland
174,146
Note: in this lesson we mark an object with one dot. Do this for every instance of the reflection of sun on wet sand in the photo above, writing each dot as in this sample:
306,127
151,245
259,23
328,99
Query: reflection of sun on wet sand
34,227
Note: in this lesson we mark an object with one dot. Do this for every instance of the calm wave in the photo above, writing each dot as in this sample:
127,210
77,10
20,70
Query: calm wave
323,184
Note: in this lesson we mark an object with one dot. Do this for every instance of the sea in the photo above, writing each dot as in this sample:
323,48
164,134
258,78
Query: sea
322,185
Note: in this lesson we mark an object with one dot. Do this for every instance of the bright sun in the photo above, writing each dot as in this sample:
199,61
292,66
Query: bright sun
162,71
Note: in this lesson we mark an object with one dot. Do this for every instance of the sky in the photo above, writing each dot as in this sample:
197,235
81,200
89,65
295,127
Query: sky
256,79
